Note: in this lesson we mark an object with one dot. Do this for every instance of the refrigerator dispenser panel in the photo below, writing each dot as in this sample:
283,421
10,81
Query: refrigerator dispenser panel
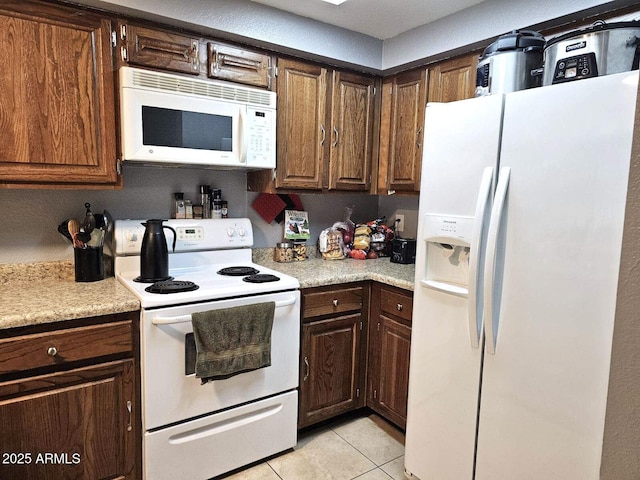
448,240
450,229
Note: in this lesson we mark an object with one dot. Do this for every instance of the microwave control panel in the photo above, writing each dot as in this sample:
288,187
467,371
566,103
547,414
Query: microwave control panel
261,142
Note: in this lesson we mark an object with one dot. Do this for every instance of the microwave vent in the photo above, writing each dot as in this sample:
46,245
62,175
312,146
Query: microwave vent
202,88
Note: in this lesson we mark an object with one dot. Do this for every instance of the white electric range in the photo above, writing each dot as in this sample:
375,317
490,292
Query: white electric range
194,430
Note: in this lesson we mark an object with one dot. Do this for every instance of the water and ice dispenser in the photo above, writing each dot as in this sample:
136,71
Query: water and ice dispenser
448,245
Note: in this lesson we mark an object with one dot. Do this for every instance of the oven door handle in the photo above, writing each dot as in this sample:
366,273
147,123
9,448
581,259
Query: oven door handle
187,318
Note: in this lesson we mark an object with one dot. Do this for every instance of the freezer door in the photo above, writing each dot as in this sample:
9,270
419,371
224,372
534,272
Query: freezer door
557,251
461,146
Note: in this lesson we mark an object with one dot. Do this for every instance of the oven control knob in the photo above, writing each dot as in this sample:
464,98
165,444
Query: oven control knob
131,236
242,232
230,232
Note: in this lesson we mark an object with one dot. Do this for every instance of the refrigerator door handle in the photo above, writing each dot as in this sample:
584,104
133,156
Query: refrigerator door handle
484,198
491,323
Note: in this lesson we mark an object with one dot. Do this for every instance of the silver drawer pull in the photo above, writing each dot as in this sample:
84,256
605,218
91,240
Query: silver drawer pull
335,302
52,351
306,371
399,307
129,409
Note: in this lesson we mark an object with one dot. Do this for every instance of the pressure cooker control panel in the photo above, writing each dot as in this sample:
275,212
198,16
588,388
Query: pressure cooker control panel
576,68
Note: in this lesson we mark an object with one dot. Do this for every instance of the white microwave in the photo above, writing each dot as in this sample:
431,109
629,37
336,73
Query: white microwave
171,119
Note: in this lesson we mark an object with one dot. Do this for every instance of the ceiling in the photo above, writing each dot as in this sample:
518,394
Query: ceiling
377,18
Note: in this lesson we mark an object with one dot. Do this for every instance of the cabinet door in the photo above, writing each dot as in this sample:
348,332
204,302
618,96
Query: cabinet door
408,101
389,348
74,424
302,134
351,126
331,372
57,104
239,65
393,384
159,49
453,80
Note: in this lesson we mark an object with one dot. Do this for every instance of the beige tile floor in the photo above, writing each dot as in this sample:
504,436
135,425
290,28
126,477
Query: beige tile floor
363,448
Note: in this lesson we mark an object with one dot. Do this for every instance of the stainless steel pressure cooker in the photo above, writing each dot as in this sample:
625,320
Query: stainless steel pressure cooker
601,49
507,64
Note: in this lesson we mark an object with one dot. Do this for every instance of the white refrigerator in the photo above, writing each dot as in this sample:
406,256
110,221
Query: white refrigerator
520,226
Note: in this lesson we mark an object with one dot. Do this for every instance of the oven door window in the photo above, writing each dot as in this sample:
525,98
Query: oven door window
184,129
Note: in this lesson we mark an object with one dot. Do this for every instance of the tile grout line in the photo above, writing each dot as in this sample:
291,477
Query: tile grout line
361,453
273,470
369,471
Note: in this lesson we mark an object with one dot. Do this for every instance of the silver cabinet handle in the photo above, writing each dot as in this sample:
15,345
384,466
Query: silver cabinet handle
399,307
336,302
324,134
52,351
306,372
418,137
335,130
195,61
129,408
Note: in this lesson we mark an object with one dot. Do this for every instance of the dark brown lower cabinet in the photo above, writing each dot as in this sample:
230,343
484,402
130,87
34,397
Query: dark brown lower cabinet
69,417
389,348
354,335
333,355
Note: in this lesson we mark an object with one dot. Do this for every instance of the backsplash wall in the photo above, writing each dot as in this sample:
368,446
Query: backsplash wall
29,218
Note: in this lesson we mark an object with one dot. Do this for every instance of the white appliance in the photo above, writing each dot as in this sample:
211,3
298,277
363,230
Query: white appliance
193,430
519,241
172,119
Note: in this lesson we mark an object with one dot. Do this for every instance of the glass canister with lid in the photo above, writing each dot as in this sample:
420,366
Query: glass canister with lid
283,252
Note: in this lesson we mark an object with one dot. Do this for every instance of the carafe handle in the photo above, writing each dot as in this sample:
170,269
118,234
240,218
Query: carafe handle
175,235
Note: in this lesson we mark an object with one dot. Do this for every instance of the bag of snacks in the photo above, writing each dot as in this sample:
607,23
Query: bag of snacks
362,237
330,244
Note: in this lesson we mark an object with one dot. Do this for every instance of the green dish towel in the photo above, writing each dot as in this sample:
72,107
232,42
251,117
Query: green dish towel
232,340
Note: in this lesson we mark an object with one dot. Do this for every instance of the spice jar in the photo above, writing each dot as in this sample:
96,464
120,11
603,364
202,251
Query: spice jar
283,252
179,208
216,211
299,251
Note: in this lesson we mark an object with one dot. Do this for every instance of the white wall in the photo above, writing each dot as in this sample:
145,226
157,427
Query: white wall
476,25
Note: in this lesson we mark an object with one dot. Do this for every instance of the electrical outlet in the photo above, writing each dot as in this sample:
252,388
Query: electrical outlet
400,223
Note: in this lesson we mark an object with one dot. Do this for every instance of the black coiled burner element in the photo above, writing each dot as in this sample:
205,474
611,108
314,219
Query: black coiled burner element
171,286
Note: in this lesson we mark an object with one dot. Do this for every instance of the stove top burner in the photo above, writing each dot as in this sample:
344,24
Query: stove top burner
261,278
238,271
171,286
152,280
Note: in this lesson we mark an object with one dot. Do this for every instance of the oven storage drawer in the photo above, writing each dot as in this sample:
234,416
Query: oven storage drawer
65,345
334,300
221,442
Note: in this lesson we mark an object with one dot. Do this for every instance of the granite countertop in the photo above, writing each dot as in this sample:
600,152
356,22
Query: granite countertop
316,272
46,292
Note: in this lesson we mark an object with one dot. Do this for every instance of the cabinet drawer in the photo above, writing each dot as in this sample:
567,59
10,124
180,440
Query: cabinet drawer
332,302
62,346
396,304
239,65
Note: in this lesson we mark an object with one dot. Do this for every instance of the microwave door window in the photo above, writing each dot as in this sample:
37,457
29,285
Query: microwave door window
183,129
